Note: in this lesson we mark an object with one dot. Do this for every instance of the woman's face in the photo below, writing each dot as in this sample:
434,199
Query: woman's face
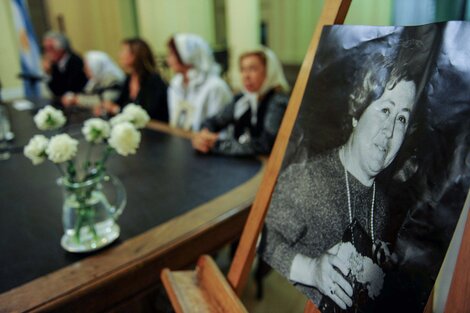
382,127
253,72
51,52
126,57
174,63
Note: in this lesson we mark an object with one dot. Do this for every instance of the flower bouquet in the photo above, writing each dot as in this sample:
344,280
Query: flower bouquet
88,216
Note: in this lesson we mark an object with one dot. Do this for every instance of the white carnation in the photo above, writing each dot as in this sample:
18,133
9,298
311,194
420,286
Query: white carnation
96,130
61,148
120,118
35,150
363,269
49,118
132,113
125,138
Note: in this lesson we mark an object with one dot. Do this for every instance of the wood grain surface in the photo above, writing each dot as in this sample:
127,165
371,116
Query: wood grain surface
102,281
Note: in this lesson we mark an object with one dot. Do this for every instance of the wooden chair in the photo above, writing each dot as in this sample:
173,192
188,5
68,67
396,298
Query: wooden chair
206,290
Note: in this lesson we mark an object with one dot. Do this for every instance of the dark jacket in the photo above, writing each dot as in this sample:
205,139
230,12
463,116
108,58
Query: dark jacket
72,79
243,138
152,96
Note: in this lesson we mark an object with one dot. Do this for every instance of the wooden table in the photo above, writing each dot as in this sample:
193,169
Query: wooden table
116,277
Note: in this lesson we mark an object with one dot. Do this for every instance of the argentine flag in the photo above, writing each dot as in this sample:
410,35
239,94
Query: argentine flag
29,49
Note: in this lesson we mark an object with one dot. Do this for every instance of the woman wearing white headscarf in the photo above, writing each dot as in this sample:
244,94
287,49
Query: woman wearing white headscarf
249,124
197,91
104,80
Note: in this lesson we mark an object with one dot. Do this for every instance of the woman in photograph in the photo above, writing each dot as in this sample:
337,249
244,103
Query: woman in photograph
104,81
143,85
327,229
249,124
197,91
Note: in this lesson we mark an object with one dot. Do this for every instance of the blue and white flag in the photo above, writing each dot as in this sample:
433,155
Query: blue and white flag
29,48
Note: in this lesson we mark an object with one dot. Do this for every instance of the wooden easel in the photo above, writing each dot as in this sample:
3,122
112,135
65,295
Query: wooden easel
206,290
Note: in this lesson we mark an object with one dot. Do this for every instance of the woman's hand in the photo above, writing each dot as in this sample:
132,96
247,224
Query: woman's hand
69,99
324,273
106,107
204,141
46,65
330,282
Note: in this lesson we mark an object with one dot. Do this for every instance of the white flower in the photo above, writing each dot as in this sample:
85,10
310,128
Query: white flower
61,148
35,150
125,138
96,130
132,113
49,118
139,116
120,118
362,268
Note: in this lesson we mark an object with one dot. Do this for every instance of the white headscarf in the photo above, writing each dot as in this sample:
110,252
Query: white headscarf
103,70
195,51
274,78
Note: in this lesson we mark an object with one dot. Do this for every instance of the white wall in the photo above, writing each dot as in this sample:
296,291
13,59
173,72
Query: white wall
12,87
291,23
243,20
158,20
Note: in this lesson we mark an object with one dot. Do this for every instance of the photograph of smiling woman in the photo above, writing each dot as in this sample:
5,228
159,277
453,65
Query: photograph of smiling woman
330,228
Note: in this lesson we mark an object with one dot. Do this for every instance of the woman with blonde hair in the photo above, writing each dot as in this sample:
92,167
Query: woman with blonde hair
249,124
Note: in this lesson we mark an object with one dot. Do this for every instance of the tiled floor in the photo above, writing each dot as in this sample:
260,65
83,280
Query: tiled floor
279,296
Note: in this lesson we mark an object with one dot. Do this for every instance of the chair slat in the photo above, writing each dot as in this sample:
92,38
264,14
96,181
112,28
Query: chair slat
202,290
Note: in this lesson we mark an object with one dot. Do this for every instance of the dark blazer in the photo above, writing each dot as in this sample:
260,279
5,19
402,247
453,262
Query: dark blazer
72,79
152,96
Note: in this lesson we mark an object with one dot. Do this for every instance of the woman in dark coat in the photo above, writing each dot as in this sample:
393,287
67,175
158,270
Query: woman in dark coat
249,124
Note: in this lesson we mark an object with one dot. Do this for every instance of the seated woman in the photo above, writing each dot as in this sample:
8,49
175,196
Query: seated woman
196,92
143,85
249,124
104,81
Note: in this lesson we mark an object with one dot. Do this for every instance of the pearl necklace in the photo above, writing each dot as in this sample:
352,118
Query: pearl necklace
371,207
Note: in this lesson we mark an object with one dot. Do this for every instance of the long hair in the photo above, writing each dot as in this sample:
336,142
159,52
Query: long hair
172,46
144,63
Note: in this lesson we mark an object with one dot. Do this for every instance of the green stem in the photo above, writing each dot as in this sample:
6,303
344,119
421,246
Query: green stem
86,217
86,163
60,169
78,225
93,229
107,153
71,170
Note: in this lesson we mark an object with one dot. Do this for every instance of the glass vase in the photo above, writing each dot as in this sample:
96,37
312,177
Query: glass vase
90,211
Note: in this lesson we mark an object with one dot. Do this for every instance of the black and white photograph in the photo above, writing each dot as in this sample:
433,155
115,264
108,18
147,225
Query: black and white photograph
377,168
262,156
